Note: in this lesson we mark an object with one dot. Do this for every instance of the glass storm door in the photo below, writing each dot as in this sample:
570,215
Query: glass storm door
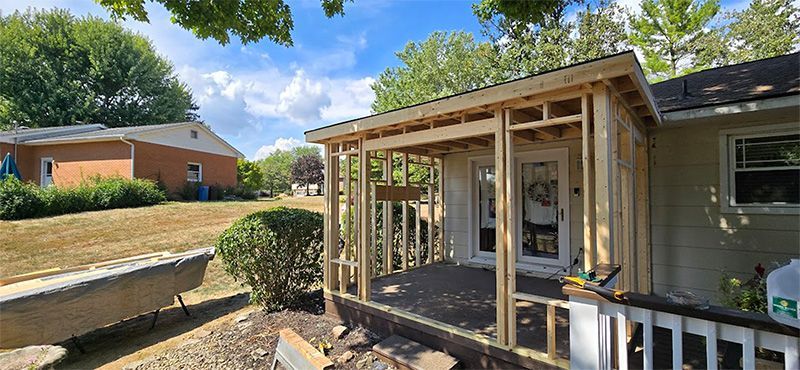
486,210
542,205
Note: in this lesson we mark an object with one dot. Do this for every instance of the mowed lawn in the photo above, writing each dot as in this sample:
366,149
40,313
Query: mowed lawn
69,240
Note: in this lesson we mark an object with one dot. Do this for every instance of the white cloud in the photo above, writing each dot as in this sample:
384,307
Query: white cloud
303,99
281,143
349,99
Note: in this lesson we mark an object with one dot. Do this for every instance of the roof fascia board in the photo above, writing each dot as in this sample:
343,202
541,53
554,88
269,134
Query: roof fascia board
678,117
611,67
55,141
644,90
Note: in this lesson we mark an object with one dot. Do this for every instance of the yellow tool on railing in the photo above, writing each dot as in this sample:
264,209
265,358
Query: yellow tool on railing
607,293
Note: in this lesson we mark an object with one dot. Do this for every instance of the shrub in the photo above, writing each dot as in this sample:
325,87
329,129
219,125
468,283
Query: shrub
277,252
18,200
188,192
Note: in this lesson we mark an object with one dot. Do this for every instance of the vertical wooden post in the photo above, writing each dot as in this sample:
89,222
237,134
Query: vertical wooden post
510,231
331,216
388,222
373,225
344,270
405,213
418,235
442,248
365,166
604,200
643,220
501,202
587,158
431,206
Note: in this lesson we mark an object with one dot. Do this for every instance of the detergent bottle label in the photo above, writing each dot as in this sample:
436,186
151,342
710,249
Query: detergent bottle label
784,306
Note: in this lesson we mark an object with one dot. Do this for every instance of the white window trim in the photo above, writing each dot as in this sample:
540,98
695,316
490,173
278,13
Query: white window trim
727,155
200,172
42,169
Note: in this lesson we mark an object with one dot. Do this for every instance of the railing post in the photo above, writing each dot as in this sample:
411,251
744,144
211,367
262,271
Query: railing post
584,333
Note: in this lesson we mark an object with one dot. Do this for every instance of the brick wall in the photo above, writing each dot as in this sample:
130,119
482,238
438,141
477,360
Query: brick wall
154,161
73,163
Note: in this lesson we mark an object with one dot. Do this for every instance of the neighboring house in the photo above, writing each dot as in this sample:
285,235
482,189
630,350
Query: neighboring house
676,182
299,190
172,153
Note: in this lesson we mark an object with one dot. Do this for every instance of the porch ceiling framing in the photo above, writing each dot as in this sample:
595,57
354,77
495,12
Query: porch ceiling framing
591,102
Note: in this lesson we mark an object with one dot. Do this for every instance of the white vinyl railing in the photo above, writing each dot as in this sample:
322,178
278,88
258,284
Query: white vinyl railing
593,346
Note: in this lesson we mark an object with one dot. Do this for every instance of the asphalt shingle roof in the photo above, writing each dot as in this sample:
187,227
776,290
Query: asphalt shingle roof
760,79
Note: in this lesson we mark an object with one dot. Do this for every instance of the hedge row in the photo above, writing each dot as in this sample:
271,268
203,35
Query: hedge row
20,200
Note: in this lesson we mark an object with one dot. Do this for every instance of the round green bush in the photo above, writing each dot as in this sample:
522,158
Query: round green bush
277,252
18,200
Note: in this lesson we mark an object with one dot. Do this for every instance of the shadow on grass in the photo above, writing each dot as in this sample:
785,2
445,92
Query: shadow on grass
115,341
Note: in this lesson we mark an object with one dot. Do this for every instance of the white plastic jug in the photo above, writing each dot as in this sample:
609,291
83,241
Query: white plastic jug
783,293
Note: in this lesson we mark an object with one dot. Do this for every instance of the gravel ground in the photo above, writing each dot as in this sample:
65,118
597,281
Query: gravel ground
248,341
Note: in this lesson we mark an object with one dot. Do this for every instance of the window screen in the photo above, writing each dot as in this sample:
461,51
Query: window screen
766,169
193,172
193,134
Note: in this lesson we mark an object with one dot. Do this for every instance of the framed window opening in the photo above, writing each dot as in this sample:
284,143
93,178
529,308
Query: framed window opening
760,170
194,172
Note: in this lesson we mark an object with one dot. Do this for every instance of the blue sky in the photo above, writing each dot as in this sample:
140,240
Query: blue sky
262,96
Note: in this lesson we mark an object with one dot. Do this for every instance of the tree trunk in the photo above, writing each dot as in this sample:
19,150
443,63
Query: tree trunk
307,186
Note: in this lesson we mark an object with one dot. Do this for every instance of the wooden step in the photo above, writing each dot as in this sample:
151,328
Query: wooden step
406,354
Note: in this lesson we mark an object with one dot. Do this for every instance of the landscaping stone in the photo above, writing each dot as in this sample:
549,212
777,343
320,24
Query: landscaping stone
339,331
140,363
347,356
242,317
260,352
201,333
32,357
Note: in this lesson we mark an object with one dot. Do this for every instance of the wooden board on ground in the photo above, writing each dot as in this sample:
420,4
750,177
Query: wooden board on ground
294,352
406,354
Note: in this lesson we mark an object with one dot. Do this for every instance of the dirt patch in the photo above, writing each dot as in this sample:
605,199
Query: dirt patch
246,339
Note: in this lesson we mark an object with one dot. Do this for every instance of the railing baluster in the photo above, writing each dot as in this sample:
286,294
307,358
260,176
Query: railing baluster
791,355
647,338
711,345
677,342
622,338
748,349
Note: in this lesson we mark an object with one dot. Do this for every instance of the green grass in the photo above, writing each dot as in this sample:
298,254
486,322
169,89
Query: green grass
69,240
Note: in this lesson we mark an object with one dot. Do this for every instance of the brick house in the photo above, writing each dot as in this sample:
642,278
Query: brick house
172,153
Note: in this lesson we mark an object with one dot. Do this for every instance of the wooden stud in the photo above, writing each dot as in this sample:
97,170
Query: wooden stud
431,205
551,332
388,220
364,288
643,247
587,159
441,195
404,164
418,235
373,224
510,228
501,255
603,129
344,271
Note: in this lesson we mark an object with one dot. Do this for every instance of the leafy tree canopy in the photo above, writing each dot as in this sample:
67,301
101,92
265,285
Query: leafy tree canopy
667,32
308,169
444,64
56,69
249,20
277,168
249,175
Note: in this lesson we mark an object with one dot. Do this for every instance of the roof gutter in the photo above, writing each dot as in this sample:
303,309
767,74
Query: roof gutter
679,117
133,151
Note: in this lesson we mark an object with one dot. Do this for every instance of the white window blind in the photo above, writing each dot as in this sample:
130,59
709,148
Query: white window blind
765,169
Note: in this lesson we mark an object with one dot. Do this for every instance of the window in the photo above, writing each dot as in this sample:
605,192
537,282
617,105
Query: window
193,134
762,171
194,172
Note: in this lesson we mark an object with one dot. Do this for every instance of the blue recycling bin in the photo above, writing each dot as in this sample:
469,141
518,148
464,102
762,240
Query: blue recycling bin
202,193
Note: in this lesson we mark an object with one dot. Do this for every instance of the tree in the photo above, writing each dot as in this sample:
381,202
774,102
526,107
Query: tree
444,64
249,175
767,28
308,169
667,32
250,20
277,171
600,32
56,69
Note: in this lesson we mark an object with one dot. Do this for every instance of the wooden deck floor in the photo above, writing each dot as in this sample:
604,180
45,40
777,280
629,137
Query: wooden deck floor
465,297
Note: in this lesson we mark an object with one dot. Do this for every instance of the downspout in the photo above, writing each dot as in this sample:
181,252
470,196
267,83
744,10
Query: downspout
132,153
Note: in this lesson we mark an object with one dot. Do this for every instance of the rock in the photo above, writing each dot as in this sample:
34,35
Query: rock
242,317
347,356
379,366
260,352
32,357
244,325
339,331
189,342
201,333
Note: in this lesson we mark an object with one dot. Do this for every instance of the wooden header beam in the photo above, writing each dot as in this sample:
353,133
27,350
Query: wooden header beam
434,135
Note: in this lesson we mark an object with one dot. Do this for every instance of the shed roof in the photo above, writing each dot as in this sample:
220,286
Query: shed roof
759,79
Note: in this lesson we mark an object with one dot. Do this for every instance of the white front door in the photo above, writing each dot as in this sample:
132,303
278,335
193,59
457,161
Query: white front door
541,204
46,177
